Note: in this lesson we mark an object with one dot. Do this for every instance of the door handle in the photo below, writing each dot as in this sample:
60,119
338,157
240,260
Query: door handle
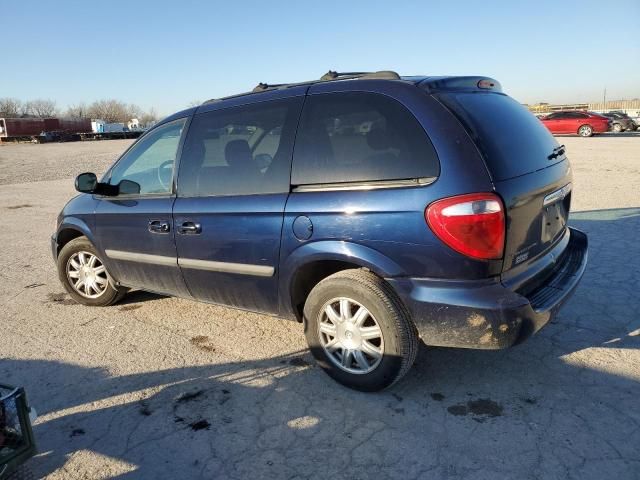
159,226
190,228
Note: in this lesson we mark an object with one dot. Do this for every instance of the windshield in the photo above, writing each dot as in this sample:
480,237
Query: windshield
513,141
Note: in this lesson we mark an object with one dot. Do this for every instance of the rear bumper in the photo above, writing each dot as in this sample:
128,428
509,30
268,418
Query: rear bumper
487,314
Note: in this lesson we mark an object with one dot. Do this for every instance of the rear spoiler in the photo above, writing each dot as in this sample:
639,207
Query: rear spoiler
447,84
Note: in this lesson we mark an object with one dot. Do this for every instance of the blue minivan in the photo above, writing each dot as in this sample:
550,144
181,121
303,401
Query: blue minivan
376,209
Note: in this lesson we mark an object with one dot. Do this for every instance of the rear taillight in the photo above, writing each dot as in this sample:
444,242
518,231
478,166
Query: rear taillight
471,224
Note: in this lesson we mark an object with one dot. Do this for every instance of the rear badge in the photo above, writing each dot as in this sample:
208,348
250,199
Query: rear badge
521,258
557,195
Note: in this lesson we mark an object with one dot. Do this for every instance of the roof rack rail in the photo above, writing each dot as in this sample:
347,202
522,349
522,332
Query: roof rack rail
331,75
382,74
261,87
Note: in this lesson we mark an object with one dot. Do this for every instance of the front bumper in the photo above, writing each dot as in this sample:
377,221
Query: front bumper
487,314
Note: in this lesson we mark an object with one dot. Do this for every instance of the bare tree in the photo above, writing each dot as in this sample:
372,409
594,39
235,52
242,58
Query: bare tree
78,110
10,107
114,111
133,111
40,107
149,118
110,111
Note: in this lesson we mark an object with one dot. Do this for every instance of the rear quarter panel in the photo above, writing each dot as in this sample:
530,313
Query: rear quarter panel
389,223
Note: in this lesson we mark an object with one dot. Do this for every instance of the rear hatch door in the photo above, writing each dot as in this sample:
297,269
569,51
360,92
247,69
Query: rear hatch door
528,167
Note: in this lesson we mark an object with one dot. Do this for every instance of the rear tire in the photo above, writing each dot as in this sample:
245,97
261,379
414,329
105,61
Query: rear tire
585,131
359,331
84,275
617,128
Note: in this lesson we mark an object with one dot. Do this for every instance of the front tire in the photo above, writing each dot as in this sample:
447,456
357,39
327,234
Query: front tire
617,128
359,331
84,275
585,131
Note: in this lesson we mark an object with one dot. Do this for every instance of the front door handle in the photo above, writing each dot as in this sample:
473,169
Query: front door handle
159,226
190,228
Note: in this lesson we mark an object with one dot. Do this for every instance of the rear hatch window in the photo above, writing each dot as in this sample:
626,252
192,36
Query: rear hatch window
512,140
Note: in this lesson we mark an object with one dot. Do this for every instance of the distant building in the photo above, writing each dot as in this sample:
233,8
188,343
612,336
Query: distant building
630,107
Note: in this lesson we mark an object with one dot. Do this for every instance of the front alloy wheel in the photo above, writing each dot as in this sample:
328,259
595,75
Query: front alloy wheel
84,275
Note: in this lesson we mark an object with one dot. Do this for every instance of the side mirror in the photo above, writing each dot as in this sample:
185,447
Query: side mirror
128,187
86,182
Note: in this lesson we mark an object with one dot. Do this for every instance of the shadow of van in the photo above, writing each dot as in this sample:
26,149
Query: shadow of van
548,406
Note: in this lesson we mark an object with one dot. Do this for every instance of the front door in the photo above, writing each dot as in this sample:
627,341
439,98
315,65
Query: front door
135,228
233,185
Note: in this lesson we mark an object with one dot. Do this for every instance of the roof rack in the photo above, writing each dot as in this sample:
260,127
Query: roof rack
382,74
331,75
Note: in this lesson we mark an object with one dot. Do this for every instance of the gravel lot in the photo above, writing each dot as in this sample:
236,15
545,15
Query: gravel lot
165,388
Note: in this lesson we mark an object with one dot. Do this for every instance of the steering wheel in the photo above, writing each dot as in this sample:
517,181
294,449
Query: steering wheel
166,183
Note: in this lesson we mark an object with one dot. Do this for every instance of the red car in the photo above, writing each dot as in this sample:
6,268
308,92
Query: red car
584,124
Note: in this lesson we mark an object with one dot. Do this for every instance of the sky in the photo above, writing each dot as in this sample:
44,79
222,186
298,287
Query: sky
168,54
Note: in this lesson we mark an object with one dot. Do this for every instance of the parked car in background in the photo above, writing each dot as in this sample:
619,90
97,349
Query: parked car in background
584,124
376,209
621,122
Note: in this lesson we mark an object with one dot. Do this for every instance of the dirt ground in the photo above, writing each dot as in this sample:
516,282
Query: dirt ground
159,387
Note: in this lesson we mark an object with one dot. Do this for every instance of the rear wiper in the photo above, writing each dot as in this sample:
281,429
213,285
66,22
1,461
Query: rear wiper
556,152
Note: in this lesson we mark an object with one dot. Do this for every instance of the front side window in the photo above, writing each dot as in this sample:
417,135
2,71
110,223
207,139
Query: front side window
150,161
239,151
360,137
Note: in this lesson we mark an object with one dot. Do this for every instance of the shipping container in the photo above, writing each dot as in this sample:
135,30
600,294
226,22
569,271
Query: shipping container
113,127
33,127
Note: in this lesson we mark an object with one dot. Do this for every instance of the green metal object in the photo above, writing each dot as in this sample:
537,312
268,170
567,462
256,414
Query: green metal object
16,435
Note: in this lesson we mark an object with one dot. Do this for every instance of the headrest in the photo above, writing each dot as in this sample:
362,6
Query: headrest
378,139
238,154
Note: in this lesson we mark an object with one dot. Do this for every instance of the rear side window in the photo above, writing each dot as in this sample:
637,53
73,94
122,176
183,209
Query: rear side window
360,137
512,140
239,151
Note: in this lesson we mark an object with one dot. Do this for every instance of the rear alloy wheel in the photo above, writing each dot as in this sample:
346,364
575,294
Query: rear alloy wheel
84,275
359,331
585,131
350,336
617,127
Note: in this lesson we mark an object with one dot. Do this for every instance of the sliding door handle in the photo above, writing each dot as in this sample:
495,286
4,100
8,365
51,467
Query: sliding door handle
190,228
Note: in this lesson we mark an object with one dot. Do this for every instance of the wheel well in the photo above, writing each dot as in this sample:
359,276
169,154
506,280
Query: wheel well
308,276
66,235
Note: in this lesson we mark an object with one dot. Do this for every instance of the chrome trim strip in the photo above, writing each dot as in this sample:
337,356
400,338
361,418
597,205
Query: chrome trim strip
142,258
227,267
557,195
329,187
